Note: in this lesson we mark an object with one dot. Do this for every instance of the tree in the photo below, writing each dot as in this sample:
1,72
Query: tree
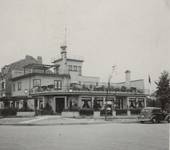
163,89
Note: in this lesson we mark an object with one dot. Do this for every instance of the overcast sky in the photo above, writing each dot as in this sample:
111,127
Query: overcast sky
132,34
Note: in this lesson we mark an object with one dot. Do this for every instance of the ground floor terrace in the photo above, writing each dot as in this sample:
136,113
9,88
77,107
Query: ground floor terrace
79,103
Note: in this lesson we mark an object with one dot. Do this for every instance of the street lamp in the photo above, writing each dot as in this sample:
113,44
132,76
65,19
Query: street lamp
108,88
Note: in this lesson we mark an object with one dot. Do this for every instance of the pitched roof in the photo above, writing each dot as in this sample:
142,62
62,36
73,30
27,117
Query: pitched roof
19,65
68,59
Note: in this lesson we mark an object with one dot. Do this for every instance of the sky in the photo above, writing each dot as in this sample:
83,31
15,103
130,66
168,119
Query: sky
133,34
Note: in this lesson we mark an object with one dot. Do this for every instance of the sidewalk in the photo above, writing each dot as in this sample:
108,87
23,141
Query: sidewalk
58,120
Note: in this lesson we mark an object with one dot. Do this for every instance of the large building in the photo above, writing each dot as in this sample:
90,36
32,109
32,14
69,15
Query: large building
30,84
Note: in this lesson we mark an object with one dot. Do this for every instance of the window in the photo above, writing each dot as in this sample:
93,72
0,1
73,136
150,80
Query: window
19,86
140,103
98,102
13,86
3,85
70,67
132,103
79,70
40,103
156,111
36,82
58,84
87,102
75,68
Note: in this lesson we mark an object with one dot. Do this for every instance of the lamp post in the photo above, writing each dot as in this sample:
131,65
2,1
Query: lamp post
108,88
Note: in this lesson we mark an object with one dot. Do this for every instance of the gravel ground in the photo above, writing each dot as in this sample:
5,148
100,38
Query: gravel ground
14,120
58,120
86,137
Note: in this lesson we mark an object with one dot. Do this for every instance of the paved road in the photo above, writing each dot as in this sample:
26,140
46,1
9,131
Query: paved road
86,137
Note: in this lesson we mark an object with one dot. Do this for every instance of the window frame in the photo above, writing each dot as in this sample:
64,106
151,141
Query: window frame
58,84
75,68
13,87
3,85
36,85
19,86
79,69
70,68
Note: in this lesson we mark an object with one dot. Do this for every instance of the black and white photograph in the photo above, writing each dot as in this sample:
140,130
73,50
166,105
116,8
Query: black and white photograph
84,74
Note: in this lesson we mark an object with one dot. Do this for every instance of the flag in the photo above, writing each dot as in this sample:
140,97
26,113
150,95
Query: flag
149,79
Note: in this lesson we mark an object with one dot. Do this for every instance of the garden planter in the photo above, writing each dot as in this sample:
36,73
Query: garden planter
96,114
26,114
114,113
121,112
70,114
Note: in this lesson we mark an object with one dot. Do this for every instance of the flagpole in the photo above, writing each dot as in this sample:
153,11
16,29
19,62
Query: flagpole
150,89
149,80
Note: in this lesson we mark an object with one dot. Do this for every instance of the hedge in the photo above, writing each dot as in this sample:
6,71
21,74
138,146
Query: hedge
86,111
135,111
8,112
121,112
102,112
25,110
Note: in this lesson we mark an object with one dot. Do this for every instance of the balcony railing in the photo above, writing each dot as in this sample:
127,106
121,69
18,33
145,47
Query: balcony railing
94,89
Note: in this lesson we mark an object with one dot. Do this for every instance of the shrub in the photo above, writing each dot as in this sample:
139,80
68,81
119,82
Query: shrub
72,109
44,112
8,112
47,110
135,111
123,89
121,112
86,111
25,110
102,112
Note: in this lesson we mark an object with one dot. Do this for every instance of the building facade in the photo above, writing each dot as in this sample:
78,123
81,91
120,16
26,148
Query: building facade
62,87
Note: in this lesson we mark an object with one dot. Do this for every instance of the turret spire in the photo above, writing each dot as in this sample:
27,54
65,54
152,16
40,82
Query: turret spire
64,45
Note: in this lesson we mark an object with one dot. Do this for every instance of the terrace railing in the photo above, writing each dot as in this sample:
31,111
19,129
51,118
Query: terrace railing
52,88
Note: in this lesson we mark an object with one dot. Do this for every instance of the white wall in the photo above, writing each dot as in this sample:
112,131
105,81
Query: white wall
27,83
139,84
87,80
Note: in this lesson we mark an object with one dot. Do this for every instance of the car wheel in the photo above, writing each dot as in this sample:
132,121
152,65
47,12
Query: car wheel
154,120
168,119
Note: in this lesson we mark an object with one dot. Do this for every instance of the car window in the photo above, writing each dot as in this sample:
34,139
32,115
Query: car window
156,110
146,110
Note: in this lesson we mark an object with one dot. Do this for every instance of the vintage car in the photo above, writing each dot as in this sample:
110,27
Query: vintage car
154,115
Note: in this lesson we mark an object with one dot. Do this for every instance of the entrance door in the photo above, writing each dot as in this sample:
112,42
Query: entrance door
59,105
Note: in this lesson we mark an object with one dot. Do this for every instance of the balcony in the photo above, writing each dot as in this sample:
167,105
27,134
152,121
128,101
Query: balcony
84,89
41,89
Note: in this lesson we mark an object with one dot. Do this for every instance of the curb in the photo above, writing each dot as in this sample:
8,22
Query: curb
78,123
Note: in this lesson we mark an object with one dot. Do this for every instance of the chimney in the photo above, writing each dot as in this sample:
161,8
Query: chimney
27,57
127,78
39,59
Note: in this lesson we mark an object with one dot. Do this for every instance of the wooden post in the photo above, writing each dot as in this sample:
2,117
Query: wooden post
128,107
92,101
